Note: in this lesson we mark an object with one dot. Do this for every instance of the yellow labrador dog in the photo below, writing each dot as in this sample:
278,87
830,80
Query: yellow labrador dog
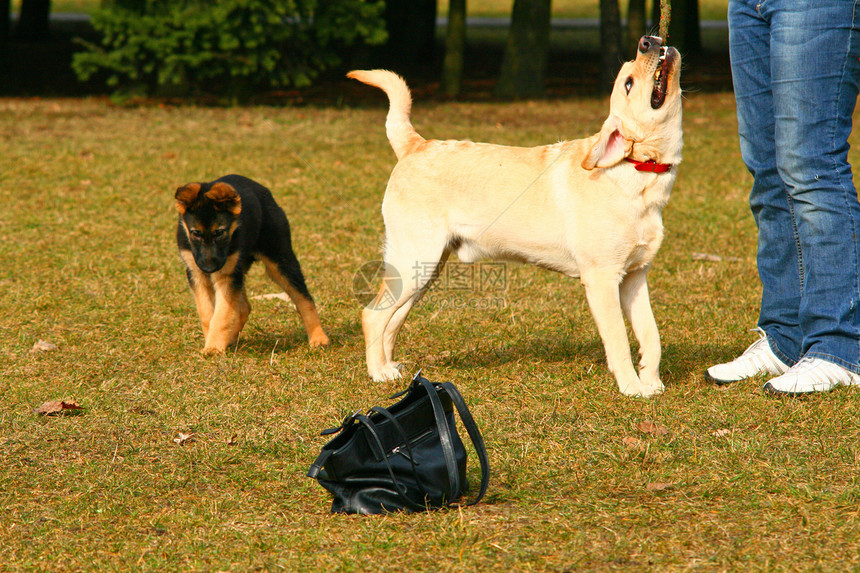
589,208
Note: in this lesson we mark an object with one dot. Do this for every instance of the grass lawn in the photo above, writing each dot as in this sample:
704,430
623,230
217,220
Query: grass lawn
88,262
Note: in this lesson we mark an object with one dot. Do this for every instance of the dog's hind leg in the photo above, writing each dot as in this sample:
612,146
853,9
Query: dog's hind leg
604,300
383,318
287,274
399,317
375,318
636,304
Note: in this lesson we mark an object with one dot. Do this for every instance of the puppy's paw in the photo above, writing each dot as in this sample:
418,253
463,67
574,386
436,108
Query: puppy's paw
318,339
390,371
213,351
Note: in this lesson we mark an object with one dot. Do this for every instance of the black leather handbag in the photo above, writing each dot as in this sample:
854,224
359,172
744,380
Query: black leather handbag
407,457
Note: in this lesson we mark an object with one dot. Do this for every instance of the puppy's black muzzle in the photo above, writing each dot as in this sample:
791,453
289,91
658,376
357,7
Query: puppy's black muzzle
209,258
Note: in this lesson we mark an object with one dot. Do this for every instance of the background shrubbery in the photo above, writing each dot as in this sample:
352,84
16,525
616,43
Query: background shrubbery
175,47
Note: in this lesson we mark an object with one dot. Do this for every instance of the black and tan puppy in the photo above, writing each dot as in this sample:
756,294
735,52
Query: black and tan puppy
224,226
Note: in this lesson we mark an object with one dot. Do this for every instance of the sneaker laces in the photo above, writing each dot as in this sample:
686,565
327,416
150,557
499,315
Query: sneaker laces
756,360
761,355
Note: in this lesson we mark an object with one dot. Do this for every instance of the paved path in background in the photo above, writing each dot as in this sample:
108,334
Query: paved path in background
559,23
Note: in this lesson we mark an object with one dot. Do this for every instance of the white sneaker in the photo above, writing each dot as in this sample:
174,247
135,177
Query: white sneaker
757,359
811,375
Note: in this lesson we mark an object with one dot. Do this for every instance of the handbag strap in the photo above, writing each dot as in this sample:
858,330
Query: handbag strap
343,425
408,455
319,463
444,435
474,435
325,454
399,487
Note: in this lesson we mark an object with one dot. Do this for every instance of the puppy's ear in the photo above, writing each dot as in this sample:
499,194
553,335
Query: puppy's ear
610,148
225,198
186,196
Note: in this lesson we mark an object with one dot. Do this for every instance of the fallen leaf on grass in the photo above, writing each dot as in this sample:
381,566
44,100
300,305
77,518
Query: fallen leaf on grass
632,442
143,411
43,346
233,441
658,486
721,432
653,428
54,407
183,439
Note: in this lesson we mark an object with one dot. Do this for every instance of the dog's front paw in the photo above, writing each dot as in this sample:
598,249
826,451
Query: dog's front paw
649,391
318,339
212,351
390,371
642,389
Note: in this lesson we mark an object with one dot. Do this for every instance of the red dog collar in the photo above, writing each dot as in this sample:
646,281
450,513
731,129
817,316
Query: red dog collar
650,166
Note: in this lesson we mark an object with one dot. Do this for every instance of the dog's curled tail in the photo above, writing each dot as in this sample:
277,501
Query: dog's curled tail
402,136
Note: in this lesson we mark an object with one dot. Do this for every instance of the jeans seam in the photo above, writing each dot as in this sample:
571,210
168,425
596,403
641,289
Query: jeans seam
834,167
846,70
797,245
779,353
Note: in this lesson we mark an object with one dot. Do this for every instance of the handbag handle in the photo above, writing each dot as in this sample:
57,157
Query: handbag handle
390,417
401,489
471,428
474,435
444,435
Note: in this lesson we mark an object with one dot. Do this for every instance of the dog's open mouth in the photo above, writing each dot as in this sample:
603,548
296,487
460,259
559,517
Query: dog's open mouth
661,76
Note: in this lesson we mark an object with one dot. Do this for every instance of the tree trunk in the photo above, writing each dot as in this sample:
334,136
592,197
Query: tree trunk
524,62
610,41
684,29
455,45
33,20
5,7
635,25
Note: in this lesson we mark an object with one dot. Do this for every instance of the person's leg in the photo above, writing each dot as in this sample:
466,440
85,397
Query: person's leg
778,256
815,46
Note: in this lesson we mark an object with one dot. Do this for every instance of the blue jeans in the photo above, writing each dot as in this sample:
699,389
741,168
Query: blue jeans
796,73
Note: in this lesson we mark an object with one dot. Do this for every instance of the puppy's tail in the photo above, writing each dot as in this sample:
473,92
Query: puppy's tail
402,136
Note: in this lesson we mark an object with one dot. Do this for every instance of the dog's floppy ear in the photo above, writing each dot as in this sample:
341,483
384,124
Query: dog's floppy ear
186,196
610,148
225,198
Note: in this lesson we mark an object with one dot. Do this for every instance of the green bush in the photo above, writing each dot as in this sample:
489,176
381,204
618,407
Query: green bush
228,47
